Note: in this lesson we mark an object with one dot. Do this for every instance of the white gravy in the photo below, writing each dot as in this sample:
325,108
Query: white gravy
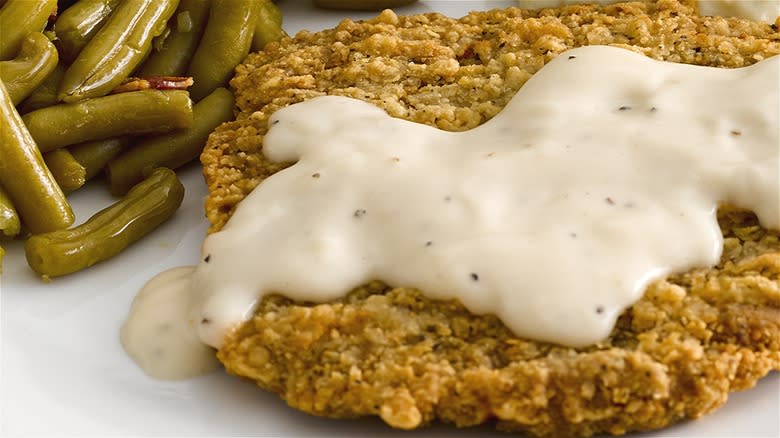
601,175
761,10
160,336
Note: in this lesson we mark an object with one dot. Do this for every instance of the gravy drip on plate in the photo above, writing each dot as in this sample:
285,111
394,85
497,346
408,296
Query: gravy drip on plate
601,175
160,336
760,10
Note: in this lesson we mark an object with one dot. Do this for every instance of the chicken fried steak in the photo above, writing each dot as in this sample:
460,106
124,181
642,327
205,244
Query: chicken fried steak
392,352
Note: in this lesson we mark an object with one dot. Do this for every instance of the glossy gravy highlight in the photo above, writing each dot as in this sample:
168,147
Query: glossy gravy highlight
601,175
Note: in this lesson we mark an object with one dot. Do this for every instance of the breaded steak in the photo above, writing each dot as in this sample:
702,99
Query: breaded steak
392,352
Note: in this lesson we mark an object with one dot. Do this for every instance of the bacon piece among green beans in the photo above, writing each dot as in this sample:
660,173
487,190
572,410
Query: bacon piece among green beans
225,43
170,150
134,112
117,49
146,206
77,24
36,60
32,188
20,17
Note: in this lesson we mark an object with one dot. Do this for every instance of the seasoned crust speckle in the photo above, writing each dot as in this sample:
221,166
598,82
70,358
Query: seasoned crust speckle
392,352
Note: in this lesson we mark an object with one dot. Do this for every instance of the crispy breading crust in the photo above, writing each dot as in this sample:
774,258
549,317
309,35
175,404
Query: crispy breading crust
391,352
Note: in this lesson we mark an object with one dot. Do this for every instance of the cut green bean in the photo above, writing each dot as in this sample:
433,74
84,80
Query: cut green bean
37,197
37,58
117,49
79,23
69,173
95,155
225,43
46,93
270,12
171,150
20,17
146,206
135,112
176,51
10,225
268,27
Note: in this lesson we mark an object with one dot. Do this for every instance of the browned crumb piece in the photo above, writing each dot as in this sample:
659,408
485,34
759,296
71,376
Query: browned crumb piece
392,352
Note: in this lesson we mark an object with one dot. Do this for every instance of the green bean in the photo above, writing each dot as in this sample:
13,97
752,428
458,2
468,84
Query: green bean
36,60
187,26
268,27
69,173
117,49
37,197
95,155
10,225
171,150
20,17
271,12
46,93
79,23
146,206
225,43
135,112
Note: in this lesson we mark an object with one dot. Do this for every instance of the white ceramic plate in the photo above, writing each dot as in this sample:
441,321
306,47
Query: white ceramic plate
63,372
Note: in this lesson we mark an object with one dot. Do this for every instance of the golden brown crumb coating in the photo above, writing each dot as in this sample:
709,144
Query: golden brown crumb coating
394,353
391,352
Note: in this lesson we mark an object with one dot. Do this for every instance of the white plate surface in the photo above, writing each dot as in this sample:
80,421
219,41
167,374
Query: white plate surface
63,372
